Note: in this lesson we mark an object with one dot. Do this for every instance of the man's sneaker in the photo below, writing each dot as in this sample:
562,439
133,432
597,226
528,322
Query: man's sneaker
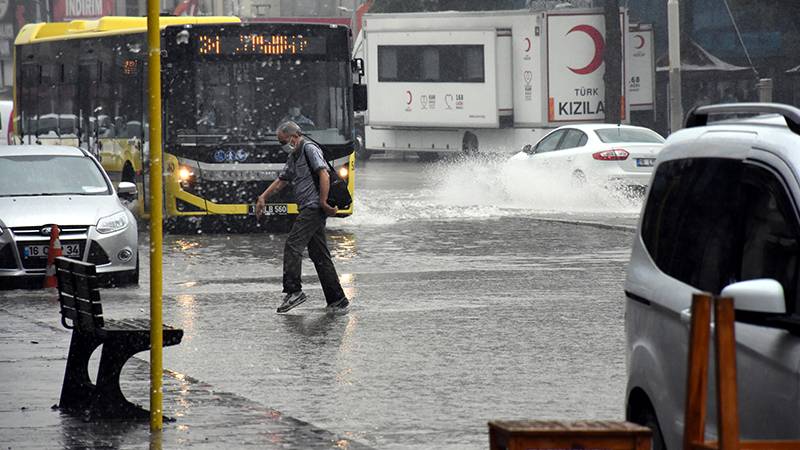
291,300
339,307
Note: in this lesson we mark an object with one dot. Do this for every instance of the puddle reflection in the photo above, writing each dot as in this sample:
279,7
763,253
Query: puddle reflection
343,245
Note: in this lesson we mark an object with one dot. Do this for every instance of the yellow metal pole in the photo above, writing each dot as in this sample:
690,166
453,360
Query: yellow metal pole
156,200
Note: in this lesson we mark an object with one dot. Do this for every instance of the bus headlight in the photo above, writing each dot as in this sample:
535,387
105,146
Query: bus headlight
185,174
343,172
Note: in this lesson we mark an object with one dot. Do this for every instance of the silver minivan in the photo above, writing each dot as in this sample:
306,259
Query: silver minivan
722,215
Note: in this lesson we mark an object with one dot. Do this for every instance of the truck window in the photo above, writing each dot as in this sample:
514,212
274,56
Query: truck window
431,63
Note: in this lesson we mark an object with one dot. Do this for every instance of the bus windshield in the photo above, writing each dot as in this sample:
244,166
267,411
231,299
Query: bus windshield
248,99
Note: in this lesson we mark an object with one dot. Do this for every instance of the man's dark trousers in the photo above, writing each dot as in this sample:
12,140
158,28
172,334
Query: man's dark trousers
309,231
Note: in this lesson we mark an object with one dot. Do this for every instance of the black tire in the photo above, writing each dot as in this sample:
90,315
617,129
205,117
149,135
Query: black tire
648,419
279,224
131,276
428,156
469,144
363,154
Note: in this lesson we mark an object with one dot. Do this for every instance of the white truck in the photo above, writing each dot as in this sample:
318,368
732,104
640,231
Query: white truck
489,81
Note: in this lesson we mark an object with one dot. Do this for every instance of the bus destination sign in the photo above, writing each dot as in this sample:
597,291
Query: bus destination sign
260,44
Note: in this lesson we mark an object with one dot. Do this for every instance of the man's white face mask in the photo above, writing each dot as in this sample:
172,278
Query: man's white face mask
288,147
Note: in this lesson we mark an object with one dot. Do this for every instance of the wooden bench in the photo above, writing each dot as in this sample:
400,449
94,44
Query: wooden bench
82,312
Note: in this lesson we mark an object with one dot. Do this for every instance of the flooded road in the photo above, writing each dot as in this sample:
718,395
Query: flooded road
479,292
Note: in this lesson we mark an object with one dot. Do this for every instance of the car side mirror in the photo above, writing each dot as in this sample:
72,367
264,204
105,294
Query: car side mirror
127,190
359,97
528,149
762,295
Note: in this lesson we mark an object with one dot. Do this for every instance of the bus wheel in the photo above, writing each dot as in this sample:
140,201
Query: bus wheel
469,145
428,156
277,224
363,154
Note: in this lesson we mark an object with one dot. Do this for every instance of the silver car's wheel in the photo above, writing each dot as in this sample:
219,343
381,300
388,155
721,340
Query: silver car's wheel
131,276
648,419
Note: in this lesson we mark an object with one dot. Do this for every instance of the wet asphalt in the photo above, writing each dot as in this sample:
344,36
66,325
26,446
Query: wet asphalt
479,291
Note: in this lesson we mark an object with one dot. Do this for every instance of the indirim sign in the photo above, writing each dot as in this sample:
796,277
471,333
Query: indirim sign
82,9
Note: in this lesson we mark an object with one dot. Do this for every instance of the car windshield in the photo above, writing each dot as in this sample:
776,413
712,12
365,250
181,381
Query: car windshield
619,134
32,175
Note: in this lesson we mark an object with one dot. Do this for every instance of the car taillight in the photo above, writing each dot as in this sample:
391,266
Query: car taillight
615,154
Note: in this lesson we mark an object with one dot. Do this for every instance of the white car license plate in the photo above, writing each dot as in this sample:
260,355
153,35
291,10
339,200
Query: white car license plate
40,251
645,162
272,210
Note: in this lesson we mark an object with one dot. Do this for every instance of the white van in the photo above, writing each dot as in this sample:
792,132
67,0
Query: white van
723,209
6,109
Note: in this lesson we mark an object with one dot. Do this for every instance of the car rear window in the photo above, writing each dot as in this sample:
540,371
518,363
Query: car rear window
619,134
32,175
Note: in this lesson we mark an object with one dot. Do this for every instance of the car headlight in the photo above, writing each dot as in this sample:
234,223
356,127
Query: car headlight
112,223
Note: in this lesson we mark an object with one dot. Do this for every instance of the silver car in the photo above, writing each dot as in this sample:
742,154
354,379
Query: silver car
43,185
721,216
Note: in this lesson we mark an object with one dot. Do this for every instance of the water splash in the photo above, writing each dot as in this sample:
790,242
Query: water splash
480,188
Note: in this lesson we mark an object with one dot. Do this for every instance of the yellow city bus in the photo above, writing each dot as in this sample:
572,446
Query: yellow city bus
226,85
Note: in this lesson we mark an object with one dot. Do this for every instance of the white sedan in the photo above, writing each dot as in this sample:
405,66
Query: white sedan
607,155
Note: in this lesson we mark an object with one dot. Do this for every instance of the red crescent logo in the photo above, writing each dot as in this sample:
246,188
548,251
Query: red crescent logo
408,93
641,41
528,41
599,45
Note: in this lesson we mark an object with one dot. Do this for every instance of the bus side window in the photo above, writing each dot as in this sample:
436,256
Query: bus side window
67,95
106,98
128,86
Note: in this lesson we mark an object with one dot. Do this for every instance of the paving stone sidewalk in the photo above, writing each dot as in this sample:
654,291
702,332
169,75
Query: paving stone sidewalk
33,356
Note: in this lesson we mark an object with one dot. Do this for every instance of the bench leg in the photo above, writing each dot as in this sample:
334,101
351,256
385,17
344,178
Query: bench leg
77,390
108,400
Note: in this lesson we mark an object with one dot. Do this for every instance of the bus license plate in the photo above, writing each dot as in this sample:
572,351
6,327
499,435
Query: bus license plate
40,251
272,210
645,162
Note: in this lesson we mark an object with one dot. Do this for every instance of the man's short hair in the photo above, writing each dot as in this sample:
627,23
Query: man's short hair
289,128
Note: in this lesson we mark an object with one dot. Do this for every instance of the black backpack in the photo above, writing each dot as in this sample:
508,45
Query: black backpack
338,194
